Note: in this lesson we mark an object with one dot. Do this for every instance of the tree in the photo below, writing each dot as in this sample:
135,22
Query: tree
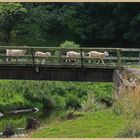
10,15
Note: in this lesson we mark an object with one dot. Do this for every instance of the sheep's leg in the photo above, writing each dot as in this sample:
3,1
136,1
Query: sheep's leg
43,61
37,61
69,60
7,60
89,61
78,61
16,60
103,62
98,61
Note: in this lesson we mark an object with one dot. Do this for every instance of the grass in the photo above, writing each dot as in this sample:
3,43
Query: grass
91,125
129,105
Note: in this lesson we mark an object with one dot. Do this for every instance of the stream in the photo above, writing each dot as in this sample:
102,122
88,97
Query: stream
19,121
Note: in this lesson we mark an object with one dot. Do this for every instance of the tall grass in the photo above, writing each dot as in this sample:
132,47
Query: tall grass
128,104
90,104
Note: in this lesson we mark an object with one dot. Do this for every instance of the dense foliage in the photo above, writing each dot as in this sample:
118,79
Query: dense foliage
26,94
88,24
10,15
69,44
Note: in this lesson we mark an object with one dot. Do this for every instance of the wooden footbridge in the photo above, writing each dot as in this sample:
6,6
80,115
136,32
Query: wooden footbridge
56,67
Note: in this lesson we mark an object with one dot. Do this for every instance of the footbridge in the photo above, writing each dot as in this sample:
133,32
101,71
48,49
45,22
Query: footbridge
59,67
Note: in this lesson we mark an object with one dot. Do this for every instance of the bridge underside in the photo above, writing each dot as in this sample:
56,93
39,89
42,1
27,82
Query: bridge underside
57,73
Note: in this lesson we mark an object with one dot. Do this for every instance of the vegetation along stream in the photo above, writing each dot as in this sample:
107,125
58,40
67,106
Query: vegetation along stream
53,99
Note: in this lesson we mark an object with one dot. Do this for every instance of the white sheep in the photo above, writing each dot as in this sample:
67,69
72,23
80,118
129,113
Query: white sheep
15,53
73,56
98,55
43,55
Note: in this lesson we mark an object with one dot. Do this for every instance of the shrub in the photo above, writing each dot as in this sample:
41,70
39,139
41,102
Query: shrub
69,44
104,93
59,102
73,102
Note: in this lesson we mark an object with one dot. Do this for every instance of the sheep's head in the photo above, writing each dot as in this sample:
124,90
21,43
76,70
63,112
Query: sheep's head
106,53
48,53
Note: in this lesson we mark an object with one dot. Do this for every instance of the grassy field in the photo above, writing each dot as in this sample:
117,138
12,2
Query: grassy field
91,125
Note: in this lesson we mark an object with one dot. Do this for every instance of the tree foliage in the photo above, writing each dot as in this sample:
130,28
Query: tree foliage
88,24
10,15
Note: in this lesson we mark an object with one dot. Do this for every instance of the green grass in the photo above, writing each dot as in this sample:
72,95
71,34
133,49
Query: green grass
92,125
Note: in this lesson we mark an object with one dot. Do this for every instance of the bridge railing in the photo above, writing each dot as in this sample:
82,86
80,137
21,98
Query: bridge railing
117,56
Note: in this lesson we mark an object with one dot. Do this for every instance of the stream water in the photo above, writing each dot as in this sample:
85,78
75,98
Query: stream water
19,121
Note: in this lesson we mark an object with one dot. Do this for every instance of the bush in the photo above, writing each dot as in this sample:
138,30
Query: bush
59,102
69,44
104,93
73,102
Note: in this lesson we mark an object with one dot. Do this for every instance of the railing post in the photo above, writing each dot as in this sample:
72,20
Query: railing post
60,56
33,60
81,52
119,58
139,57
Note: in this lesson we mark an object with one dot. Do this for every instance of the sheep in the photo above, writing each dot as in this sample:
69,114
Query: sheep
73,56
15,53
98,55
42,54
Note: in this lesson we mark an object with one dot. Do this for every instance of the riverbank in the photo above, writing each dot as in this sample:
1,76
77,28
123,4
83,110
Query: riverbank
92,125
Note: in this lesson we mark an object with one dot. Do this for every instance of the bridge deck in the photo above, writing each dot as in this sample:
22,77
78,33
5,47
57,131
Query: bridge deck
57,73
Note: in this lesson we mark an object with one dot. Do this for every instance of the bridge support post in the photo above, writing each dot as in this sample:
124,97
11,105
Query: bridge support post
118,82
